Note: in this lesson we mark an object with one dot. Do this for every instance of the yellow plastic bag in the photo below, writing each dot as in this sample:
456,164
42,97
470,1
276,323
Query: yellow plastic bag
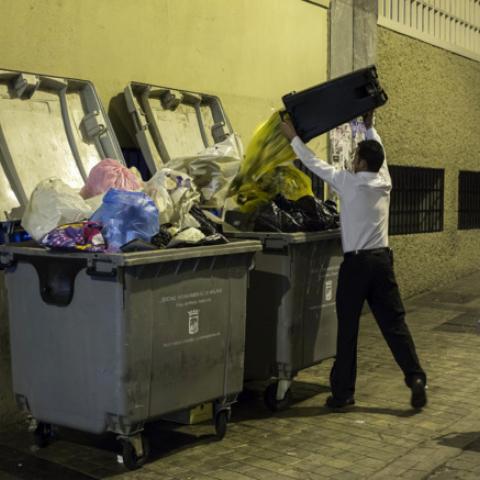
268,170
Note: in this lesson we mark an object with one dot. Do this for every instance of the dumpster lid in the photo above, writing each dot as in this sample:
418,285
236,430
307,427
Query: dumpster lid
171,123
49,127
320,108
10,251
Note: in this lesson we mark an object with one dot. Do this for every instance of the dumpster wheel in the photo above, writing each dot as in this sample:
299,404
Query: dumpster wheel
43,435
270,398
221,421
131,459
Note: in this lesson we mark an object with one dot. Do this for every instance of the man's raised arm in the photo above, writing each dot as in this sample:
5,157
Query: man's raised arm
324,170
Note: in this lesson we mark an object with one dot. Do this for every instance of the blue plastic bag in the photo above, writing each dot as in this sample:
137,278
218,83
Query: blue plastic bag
126,216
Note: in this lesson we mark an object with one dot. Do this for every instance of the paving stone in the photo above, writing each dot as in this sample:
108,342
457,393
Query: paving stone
229,475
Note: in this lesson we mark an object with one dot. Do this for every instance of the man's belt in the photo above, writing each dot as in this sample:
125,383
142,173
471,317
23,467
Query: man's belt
371,251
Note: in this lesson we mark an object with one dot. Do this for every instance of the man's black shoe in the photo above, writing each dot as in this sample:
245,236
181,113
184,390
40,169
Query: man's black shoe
337,403
419,394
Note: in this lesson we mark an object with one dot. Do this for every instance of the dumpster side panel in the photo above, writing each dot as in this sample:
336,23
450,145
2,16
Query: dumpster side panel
65,359
197,354
235,366
291,313
273,335
317,265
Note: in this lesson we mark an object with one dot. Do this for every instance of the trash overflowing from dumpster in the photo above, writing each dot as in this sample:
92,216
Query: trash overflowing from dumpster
117,212
264,192
270,194
212,169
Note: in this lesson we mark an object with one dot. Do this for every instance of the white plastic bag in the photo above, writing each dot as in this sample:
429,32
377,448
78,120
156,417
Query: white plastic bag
189,236
51,204
174,195
212,169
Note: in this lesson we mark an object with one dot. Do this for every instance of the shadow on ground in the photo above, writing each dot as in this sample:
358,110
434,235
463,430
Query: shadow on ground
165,438
252,407
465,441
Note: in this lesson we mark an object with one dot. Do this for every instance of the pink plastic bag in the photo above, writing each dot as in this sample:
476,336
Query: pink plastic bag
108,174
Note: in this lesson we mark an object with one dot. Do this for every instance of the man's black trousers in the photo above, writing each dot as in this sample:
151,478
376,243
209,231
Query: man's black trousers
368,275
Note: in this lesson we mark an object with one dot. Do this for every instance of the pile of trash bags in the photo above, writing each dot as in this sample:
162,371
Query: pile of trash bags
307,214
117,212
270,194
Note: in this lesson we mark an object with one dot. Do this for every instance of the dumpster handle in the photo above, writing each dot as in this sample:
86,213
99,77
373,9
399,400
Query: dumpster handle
101,268
93,272
7,261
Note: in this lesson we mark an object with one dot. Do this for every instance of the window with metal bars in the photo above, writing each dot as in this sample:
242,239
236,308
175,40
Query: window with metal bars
416,202
468,200
317,182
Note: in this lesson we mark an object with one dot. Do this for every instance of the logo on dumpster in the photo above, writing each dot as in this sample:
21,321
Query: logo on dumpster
193,321
328,290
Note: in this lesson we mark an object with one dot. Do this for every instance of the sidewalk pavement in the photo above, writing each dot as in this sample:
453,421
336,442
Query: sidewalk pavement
380,438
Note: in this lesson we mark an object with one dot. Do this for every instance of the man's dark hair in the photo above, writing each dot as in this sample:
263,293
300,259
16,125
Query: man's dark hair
372,152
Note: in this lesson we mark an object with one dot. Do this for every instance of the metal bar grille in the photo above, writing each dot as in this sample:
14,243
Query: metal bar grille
416,202
468,200
317,183
450,24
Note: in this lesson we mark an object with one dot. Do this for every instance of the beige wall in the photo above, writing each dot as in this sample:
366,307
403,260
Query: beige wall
432,119
249,52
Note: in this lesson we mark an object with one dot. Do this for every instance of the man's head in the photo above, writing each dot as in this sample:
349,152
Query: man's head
369,156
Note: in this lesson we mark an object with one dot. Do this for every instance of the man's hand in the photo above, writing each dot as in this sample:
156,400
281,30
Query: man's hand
368,119
288,129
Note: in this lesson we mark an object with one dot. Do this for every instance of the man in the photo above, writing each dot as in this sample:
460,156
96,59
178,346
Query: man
367,270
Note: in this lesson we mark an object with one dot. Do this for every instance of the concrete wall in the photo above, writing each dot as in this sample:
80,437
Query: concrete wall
353,35
431,120
249,52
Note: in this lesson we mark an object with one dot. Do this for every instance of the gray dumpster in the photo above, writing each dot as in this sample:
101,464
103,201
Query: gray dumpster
291,316
108,342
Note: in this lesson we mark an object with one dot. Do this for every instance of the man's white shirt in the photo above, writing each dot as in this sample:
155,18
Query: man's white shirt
364,198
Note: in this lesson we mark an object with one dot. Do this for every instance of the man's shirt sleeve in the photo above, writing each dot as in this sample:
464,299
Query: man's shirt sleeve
328,173
372,134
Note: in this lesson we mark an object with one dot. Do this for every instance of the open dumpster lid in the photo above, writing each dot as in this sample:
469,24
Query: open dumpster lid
171,123
49,127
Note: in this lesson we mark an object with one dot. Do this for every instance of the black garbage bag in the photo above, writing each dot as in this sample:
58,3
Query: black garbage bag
207,227
138,245
162,238
291,208
332,207
270,218
239,221
317,215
